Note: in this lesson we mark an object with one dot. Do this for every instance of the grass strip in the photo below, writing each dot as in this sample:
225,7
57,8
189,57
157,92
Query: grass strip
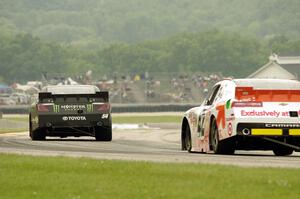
12,130
59,177
18,119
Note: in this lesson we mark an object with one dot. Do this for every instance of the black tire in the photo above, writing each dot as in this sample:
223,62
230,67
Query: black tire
30,127
187,139
283,151
38,134
103,134
220,147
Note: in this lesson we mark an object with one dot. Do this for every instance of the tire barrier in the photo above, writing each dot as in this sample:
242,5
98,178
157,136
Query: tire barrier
116,108
17,109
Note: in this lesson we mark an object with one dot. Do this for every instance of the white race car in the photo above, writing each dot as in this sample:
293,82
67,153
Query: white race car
245,114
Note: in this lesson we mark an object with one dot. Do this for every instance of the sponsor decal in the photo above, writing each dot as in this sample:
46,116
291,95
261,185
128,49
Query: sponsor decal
283,104
260,113
104,116
73,118
74,107
229,128
193,118
265,113
200,130
280,125
230,119
56,108
89,107
221,116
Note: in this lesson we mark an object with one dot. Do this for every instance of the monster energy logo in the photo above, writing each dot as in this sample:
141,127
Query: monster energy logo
89,107
56,108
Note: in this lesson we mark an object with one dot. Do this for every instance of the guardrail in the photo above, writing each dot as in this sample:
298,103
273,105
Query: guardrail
116,108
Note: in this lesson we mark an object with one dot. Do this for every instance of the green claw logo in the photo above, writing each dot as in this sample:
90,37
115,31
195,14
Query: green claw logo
89,107
56,108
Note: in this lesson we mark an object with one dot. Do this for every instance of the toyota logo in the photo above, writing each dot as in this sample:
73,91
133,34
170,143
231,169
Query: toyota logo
65,118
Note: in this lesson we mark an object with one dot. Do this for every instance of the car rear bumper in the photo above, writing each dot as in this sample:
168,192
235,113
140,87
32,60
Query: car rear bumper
82,120
257,136
268,129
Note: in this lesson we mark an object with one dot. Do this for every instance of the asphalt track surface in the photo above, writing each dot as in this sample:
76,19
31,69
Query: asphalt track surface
157,143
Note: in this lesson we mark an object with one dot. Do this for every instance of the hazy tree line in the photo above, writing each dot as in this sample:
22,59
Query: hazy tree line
25,57
233,37
94,23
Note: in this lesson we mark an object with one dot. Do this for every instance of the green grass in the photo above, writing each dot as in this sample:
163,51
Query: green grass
58,177
18,119
12,130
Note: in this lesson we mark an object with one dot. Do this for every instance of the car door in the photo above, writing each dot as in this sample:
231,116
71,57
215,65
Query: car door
202,141
206,105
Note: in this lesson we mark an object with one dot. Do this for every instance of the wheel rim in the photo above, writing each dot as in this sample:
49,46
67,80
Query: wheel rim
188,144
215,138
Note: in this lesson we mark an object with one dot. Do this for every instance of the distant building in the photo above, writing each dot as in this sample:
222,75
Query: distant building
4,88
279,68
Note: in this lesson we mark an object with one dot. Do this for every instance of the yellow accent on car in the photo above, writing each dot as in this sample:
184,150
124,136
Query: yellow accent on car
294,132
266,132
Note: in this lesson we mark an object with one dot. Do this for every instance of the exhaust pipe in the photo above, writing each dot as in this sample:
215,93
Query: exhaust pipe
99,123
246,131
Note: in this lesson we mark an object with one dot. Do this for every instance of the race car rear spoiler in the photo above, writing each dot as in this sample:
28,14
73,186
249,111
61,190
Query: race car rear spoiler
102,96
266,95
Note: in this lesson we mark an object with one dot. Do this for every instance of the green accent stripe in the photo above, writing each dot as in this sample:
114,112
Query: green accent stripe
228,104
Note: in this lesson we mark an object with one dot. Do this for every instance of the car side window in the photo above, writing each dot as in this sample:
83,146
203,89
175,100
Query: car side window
213,95
219,94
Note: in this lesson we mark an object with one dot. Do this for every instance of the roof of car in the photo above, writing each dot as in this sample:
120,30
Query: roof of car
71,89
268,83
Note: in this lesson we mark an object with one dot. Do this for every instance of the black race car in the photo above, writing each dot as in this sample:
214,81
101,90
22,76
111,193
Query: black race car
71,110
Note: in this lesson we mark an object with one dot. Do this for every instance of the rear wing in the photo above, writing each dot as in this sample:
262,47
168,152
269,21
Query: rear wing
266,95
48,97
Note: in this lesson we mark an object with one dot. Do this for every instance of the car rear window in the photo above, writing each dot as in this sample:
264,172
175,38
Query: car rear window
71,89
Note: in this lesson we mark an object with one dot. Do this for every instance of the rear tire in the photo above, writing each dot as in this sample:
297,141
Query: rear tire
30,127
103,134
220,147
187,139
214,137
283,151
38,134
